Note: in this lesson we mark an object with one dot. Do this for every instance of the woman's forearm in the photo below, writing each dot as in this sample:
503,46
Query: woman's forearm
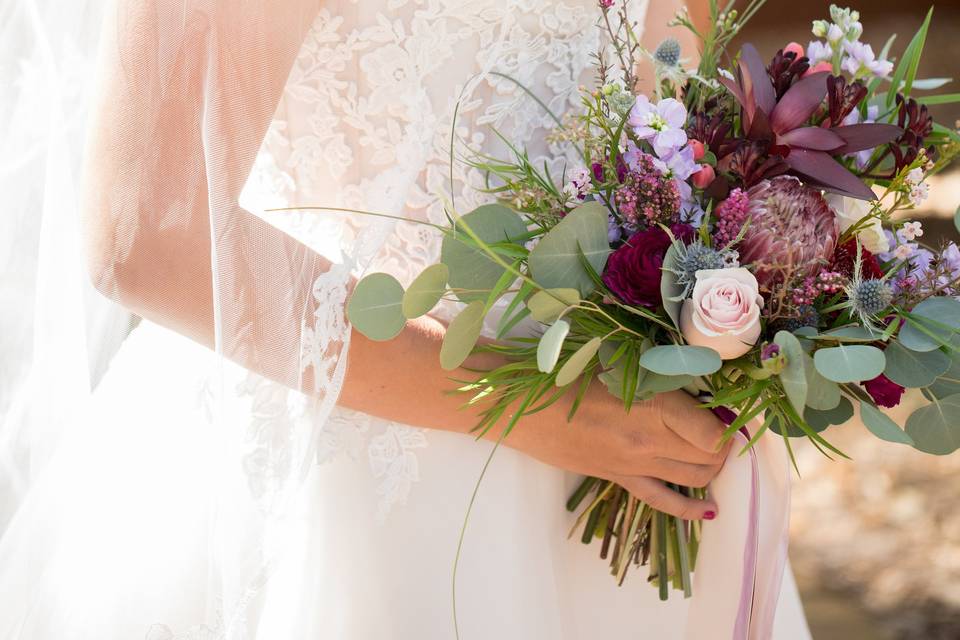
402,379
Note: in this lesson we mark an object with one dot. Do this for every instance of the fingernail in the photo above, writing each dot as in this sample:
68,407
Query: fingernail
709,515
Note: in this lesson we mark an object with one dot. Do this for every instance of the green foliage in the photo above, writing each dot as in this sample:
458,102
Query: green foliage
547,305
935,428
914,369
555,263
931,324
375,307
548,350
881,425
473,273
462,335
679,360
425,291
849,363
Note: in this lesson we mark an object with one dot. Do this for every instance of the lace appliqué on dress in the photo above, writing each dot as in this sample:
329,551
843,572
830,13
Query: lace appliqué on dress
365,122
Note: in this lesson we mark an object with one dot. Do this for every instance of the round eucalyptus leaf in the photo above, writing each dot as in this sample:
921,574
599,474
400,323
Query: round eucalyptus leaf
470,267
551,342
820,420
881,425
935,428
547,305
941,312
849,363
678,360
555,261
425,291
670,291
948,383
462,335
654,383
914,369
794,376
576,363
375,307
822,394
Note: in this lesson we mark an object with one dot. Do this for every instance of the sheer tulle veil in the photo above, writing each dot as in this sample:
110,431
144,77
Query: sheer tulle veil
150,115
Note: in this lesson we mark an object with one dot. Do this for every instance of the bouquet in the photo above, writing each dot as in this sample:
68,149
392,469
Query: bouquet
737,233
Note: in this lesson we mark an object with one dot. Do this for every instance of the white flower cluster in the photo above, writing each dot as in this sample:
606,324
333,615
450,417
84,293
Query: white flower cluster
843,47
579,185
919,190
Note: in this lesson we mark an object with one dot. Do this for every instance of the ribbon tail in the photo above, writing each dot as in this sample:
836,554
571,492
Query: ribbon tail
743,553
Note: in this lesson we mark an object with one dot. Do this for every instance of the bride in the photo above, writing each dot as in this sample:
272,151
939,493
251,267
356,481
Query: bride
249,467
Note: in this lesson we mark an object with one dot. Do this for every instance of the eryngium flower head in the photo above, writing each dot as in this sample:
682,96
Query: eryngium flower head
870,297
696,257
668,52
791,232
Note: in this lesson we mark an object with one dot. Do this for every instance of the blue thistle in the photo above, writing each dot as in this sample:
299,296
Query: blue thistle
698,256
668,52
870,297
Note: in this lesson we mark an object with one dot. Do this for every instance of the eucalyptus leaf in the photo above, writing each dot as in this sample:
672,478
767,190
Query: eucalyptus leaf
820,420
935,428
852,334
576,363
676,360
425,291
613,377
949,382
547,305
881,425
942,312
793,377
822,394
914,369
555,261
462,335
956,220
550,345
375,307
670,291
470,267
655,383
849,363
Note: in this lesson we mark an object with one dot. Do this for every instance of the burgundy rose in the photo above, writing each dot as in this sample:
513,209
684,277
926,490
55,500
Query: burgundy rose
633,271
884,391
846,255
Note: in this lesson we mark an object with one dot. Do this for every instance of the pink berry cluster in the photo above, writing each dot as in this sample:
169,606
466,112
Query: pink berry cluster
731,215
825,282
647,197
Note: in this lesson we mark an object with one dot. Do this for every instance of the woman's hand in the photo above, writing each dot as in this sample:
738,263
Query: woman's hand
667,438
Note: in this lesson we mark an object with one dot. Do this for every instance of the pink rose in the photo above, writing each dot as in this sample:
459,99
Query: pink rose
724,313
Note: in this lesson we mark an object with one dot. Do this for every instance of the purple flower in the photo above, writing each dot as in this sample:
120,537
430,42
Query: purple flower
662,123
884,391
633,271
771,350
677,163
614,233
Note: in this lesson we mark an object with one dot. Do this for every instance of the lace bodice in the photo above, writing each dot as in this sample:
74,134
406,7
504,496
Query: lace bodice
365,122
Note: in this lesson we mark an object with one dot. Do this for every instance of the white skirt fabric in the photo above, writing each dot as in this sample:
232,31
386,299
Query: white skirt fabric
122,535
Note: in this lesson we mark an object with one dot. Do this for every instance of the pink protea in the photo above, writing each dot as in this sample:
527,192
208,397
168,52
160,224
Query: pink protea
791,232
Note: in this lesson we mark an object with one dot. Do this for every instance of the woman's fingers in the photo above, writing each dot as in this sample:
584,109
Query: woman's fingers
683,473
660,497
698,426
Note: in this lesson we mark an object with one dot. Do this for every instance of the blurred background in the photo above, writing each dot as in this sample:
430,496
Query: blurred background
876,541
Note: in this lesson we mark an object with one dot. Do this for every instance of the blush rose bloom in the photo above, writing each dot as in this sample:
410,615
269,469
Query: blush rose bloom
724,312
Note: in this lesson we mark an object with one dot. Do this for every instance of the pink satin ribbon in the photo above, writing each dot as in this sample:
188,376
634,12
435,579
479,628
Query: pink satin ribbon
751,549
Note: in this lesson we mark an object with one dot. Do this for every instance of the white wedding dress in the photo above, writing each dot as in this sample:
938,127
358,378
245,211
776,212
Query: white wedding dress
127,535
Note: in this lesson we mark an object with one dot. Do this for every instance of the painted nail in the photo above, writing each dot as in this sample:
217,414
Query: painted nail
709,515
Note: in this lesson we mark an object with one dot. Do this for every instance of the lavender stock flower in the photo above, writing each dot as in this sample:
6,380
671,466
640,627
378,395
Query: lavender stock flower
663,123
